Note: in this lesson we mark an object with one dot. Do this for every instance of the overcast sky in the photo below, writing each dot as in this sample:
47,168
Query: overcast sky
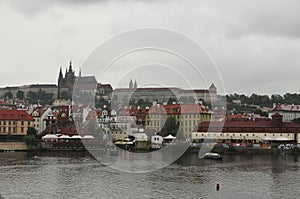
255,44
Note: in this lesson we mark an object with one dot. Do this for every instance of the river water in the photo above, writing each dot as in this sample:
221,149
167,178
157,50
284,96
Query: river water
79,175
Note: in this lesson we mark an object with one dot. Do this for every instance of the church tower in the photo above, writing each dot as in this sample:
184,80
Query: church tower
130,84
135,84
60,82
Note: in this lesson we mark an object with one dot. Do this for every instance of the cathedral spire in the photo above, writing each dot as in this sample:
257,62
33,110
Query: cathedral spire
130,84
135,84
70,66
60,73
60,77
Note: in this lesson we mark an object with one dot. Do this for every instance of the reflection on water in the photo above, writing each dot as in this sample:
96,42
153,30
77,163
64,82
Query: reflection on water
79,175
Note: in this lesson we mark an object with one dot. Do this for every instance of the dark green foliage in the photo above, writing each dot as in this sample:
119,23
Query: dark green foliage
8,95
40,97
100,103
30,140
170,127
31,131
20,95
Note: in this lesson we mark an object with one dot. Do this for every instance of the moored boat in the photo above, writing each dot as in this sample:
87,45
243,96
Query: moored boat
212,156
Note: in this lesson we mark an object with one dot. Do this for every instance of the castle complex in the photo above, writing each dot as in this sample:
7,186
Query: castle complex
65,82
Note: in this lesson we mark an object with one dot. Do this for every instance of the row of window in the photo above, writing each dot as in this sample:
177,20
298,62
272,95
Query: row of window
4,123
11,130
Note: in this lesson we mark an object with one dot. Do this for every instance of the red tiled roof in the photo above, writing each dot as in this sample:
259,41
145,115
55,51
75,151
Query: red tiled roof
286,107
15,115
276,115
245,125
105,86
142,89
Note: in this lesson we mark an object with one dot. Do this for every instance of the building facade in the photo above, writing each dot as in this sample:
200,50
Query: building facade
163,94
15,122
288,111
188,117
255,130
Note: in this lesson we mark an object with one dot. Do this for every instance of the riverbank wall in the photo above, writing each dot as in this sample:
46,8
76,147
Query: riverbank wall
13,146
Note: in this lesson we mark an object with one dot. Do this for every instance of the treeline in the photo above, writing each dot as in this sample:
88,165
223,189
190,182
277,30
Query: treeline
265,100
39,97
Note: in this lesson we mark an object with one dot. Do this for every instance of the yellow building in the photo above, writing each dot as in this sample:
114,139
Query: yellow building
15,122
188,117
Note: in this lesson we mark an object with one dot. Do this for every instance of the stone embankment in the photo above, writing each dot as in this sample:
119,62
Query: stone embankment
13,146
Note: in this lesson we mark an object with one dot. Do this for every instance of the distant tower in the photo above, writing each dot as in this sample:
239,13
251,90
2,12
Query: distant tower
66,82
130,84
60,82
135,84
70,67
212,88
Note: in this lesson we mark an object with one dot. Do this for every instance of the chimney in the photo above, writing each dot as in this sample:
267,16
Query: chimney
277,119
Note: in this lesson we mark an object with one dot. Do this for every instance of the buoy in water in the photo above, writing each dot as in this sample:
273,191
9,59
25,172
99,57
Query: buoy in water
217,187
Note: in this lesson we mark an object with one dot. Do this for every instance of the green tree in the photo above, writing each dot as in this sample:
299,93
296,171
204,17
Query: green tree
8,95
31,131
65,95
170,127
100,103
30,140
20,95
171,100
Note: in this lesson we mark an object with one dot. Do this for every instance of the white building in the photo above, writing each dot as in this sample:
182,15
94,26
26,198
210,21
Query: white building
288,111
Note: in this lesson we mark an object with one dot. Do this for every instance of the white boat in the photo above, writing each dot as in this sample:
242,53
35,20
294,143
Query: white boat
212,156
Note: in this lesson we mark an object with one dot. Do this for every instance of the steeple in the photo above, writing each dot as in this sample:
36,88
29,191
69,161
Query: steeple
60,77
135,84
60,73
130,84
70,66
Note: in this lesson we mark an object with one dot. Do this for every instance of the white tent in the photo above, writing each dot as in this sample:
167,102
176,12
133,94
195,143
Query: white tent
170,137
76,137
49,136
88,137
64,137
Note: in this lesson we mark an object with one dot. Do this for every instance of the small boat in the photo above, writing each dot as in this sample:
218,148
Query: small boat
212,156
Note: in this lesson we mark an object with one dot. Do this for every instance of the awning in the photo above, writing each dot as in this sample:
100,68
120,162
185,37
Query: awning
64,137
267,138
281,138
224,137
88,137
251,137
49,136
170,137
76,137
237,137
